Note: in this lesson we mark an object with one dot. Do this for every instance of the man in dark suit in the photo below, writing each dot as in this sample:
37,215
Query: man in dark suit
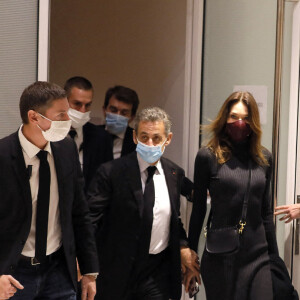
120,107
93,143
135,203
45,222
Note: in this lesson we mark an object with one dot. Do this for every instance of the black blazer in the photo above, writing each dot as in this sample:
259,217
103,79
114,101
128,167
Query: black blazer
128,143
115,199
96,150
16,207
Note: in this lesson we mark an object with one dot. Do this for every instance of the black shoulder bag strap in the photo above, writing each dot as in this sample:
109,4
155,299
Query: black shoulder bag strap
242,222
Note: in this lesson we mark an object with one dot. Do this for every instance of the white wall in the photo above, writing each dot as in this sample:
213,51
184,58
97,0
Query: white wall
18,57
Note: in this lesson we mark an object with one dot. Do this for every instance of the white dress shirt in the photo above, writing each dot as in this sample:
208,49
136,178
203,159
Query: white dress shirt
54,228
78,139
162,208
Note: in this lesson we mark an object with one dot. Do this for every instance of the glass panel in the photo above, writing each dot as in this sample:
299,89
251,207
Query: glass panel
239,50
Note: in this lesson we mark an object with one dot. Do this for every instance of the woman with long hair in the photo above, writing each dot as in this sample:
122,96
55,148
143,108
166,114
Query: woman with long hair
222,168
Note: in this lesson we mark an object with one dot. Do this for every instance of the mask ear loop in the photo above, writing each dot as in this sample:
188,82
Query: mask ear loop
44,117
163,145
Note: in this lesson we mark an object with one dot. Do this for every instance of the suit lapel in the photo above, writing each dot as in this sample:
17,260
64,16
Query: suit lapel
86,155
21,172
55,147
171,180
128,144
133,176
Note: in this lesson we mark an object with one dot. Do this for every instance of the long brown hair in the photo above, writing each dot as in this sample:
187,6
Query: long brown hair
220,143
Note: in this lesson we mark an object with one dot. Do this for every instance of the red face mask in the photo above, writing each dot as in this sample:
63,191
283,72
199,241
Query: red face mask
238,131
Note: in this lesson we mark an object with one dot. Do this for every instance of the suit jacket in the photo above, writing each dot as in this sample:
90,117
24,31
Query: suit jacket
128,144
16,207
115,199
96,150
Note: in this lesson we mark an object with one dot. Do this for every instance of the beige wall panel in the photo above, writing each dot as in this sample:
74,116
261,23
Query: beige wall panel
136,43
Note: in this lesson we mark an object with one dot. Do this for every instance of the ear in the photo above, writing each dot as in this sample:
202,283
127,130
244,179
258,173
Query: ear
32,117
134,137
169,138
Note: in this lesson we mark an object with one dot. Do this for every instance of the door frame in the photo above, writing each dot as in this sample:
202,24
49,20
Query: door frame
192,85
192,82
292,133
192,93
43,40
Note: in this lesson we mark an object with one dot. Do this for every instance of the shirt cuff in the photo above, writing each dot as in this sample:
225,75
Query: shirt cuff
92,274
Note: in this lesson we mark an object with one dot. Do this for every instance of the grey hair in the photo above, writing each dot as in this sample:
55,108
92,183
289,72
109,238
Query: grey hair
153,114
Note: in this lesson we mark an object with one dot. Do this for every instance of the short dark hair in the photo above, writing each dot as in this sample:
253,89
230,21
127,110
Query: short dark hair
79,82
39,97
123,94
153,114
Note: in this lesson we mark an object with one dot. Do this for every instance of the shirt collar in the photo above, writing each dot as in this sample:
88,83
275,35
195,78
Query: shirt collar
79,131
144,165
30,149
121,135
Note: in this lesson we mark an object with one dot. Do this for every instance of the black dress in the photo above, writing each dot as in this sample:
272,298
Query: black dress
245,275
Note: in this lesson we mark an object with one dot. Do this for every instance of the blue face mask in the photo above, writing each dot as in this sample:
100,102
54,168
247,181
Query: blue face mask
150,154
116,124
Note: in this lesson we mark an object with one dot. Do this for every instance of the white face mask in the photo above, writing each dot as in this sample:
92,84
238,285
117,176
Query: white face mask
78,118
57,131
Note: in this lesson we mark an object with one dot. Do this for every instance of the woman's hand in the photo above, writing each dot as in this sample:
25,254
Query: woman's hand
290,212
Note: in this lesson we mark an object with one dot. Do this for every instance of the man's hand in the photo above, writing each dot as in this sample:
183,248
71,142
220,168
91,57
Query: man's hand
8,286
290,212
188,276
88,287
189,259
189,265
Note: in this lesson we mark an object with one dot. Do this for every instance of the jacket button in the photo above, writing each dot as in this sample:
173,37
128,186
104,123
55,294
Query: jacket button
12,267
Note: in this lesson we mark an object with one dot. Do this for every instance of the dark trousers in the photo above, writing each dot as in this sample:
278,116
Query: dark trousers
151,280
48,281
78,297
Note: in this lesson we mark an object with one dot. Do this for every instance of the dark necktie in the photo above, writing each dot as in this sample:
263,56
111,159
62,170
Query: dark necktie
72,133
149,197
42,207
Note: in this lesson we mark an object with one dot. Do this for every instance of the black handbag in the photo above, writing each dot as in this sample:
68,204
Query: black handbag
226,240
281,281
